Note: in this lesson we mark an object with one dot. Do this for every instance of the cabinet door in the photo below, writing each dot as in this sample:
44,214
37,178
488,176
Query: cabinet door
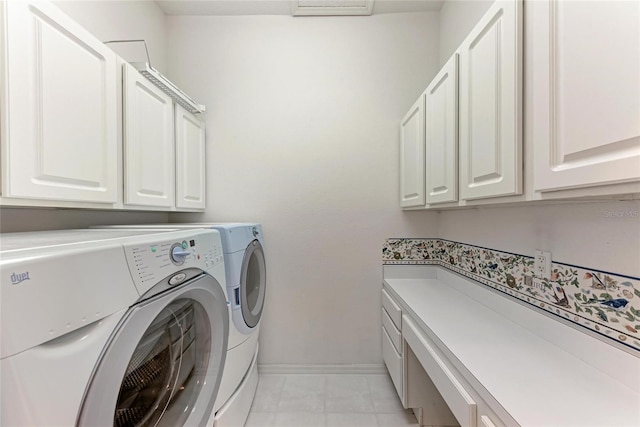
441,135
586,86
60,100
412,156
393,361
491,104
148,142
190,160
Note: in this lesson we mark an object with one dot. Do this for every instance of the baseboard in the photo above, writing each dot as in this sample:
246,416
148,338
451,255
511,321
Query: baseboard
370,369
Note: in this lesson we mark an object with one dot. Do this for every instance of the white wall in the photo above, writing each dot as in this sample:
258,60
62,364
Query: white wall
302,132
457,18
120,19
107,20
603,235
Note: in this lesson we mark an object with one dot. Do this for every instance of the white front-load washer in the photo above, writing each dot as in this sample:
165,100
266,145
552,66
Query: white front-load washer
117,327
243,247
245,266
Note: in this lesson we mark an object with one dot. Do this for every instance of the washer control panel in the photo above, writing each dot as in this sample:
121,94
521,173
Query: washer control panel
155,260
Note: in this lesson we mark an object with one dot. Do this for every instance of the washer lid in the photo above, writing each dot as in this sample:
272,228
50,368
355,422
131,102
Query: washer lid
52,283
40,240
237,236
45,296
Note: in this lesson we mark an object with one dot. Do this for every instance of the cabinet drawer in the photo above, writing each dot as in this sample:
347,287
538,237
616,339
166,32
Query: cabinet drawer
393,360
393,309
394,333
460,402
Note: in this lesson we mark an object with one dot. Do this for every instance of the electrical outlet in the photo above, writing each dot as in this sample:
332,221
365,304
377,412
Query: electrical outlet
542,264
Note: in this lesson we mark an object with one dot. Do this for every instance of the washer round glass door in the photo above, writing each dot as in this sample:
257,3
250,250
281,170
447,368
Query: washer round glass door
253,280
163,365
167,367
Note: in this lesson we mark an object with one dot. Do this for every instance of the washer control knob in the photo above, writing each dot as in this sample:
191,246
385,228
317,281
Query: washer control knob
255,231
178,255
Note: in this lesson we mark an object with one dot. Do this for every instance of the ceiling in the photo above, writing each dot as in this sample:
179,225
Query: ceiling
280,7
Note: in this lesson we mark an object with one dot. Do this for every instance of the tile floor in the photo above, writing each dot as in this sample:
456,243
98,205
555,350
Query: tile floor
328,401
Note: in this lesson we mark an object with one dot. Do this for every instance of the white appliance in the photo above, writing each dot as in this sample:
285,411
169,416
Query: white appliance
243,247
117,327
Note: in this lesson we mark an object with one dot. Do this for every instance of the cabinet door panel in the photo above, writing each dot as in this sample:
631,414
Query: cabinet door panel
148,142
61,99
394,333
491,104
586,93
393,309
441,135
190,160
412,159
393,361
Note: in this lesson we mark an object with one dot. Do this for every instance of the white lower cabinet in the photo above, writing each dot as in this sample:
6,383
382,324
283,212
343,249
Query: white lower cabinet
414,387
59,106
391,342
393,361
462,405
448,397
392,331
392,309
586,86
456,334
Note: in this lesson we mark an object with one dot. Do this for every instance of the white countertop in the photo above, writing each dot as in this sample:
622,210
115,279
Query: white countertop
536,382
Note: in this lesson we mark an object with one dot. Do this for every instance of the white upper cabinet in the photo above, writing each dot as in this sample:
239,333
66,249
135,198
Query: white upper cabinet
60,137
491,104
586,93
149,159
412,160
441,135
190,160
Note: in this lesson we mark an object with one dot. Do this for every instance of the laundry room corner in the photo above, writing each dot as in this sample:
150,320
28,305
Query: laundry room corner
303,138
319,213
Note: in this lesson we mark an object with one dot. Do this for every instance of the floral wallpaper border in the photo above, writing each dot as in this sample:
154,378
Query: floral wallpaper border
605,303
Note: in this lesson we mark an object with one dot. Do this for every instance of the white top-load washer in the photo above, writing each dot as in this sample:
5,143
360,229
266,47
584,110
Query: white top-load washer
243,247
116,327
